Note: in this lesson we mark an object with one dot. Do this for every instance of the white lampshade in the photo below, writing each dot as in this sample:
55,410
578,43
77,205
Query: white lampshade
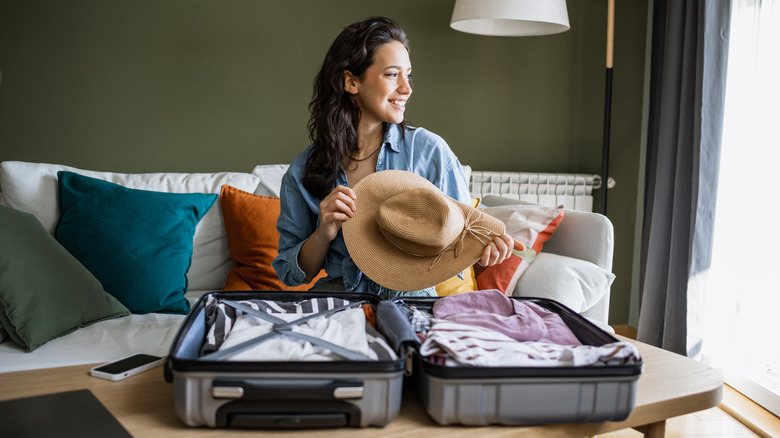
510,17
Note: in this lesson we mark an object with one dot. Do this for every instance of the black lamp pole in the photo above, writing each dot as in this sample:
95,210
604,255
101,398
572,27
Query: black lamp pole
607,107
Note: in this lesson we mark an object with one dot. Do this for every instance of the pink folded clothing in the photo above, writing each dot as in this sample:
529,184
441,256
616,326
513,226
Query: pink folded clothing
519,320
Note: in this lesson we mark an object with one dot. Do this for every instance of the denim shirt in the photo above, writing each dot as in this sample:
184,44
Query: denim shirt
417,150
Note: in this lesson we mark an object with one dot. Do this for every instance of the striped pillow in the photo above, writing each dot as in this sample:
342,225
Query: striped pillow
532,226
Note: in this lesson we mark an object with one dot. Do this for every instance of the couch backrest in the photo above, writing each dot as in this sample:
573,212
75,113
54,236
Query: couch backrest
32,188
270,176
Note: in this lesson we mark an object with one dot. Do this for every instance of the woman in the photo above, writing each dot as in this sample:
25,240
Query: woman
357,127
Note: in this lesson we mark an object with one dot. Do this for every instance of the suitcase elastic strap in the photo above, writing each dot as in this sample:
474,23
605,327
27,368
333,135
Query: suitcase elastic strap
282,327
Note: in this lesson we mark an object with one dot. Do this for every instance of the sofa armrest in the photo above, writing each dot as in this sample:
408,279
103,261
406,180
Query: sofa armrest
584,235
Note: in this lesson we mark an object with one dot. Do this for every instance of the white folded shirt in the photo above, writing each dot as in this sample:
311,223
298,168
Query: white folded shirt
346,328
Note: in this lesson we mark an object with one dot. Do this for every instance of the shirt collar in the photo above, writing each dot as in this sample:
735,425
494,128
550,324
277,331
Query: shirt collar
393,137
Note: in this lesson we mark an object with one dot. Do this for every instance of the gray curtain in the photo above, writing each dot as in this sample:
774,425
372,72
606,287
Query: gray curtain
687,90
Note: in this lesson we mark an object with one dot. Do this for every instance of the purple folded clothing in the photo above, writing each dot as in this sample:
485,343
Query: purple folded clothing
520,320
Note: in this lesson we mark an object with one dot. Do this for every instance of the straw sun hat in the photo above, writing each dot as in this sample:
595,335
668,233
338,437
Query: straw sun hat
407,235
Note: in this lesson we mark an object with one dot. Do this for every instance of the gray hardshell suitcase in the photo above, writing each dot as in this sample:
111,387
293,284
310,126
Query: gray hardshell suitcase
478,396
368,393
299,394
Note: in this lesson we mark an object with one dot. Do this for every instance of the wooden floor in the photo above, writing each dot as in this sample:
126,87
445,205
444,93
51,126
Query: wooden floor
736,416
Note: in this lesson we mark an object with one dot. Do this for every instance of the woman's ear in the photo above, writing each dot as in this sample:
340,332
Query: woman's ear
350,83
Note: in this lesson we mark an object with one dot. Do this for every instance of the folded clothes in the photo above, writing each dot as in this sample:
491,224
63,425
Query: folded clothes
228,327
519,320
466,345
220,317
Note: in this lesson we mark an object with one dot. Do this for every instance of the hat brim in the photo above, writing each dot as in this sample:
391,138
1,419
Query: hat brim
386,264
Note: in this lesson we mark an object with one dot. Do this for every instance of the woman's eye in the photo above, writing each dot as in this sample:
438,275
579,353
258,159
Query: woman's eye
391,75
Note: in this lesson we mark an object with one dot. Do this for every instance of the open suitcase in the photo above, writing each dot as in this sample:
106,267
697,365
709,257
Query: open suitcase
478,396
224,389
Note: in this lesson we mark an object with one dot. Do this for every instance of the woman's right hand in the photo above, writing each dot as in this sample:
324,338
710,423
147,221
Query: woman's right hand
337,207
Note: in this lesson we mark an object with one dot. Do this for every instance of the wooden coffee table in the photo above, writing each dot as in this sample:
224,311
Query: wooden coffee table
671,385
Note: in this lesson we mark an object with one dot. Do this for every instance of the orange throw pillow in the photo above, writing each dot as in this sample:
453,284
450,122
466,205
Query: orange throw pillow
250,223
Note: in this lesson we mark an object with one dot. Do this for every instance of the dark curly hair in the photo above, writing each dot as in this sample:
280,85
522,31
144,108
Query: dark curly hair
334,112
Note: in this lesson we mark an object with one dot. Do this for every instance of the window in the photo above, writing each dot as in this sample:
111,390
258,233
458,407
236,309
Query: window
743,290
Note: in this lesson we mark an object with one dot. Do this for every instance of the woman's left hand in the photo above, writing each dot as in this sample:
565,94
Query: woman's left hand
498,250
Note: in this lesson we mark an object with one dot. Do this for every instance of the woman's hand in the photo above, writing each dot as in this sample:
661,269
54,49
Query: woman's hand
498,250
337,207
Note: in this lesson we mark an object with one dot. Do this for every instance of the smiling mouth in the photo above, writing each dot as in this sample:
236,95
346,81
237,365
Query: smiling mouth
398,102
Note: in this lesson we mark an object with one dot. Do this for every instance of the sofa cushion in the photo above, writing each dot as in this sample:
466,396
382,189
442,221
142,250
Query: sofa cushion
270,176
531,225
575,283
44,291
137,243
250,222
32,188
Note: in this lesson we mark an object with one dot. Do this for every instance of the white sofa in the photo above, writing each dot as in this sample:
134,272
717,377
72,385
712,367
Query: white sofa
574,268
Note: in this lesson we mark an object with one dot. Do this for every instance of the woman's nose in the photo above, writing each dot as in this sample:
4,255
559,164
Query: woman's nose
406,85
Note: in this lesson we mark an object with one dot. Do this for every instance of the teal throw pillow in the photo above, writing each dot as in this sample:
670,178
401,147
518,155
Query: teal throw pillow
44,291
138,243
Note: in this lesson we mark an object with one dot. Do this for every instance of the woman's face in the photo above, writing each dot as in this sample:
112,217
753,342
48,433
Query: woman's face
385,87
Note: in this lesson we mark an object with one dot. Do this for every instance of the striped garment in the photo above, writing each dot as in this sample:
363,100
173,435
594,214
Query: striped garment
465,345
221,319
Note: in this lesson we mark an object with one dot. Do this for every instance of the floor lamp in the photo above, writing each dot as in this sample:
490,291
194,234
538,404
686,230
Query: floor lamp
536,17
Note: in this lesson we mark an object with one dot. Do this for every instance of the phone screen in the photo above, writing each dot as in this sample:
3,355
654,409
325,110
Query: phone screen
127,363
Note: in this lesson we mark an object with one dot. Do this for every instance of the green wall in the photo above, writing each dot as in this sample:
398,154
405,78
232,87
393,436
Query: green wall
205,85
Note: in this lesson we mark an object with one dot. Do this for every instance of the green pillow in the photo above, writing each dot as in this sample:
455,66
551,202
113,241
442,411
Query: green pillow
45,292
138,243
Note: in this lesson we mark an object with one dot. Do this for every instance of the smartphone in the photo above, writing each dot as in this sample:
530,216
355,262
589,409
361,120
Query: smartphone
126,367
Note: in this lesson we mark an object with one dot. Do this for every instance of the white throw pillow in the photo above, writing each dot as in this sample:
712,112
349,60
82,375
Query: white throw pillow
575,283
32,188
270,178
